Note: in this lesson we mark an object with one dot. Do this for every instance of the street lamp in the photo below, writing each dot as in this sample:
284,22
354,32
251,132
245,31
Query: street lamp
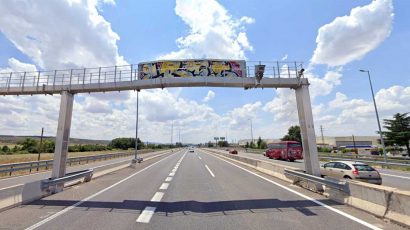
251,129
377,116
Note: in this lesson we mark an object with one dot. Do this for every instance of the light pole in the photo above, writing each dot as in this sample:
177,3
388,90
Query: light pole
251,130
377,116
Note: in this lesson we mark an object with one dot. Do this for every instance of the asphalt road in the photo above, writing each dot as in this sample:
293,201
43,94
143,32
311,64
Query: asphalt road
187,190
97,165
391,178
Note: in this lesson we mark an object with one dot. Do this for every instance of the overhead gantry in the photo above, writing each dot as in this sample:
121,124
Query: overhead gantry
164,74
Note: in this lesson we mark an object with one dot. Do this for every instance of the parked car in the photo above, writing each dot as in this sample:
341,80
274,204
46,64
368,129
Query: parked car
233,151
285,150
351,171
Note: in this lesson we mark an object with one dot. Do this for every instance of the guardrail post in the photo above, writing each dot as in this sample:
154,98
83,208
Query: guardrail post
62,138
307,129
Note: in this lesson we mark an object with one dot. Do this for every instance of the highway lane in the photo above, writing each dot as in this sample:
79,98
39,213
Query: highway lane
391,178
97,165
187,191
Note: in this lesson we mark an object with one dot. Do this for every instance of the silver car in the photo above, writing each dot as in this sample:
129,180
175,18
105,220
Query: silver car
351,171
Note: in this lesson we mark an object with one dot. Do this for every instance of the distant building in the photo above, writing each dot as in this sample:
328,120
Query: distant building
347,141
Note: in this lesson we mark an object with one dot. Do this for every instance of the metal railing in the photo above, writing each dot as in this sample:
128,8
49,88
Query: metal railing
365,159
301,176
9,169
86,174
117,74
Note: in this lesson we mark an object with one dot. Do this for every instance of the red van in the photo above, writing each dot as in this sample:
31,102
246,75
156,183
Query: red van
285,150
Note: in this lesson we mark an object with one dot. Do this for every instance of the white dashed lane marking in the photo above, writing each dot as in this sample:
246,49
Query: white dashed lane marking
209,170
157,197
146,215
164,186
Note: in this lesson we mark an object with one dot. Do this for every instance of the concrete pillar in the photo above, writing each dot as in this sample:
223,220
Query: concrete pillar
62,138
307,130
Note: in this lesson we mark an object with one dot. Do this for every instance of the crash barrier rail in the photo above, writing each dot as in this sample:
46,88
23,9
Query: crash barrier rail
299,175
47,164
86,174
366,161
376,160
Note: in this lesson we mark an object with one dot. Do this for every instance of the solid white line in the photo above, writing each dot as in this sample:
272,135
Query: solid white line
146,215
11,186
304,196
157,197
90,197
168,179
403,177
164,186
209,170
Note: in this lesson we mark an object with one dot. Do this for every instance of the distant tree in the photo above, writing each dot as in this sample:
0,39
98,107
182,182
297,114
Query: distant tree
293,134
15,149
263,145
222,143
125,143
252,145
5,149
30,145
399,130
259,142
247,145
210,144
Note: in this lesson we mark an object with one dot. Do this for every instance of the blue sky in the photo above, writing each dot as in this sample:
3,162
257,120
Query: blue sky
100,33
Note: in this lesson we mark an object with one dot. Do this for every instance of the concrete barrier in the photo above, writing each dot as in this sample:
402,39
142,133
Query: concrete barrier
381,201
21,194
399,207
25,193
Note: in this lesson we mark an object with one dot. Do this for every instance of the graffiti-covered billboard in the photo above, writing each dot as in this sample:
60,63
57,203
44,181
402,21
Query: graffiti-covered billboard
192,68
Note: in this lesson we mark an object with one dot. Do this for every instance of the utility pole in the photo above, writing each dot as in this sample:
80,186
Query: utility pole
377,116
179,135
172,133
41,145
323,139
251,131
354,144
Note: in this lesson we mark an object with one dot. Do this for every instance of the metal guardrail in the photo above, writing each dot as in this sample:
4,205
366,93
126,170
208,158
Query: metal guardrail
47,164
342,186
364,159
367,161
87,174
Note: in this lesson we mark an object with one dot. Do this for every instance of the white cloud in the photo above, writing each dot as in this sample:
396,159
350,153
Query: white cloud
214,33
209,96
60,34
351,37
344,40
283,106
357,116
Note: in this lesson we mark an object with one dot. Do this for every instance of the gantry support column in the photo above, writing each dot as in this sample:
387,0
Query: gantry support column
62,137
307,130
